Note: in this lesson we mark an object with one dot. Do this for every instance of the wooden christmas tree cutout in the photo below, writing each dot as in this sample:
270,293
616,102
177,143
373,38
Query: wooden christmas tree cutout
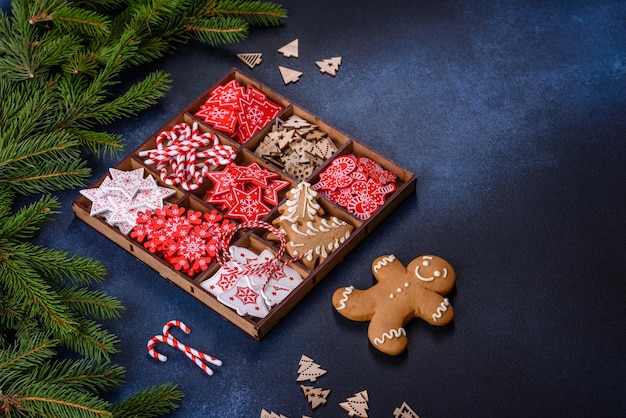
251,59
315,396
356,406
290,50
289,75
309,370
404,411
266,414
330,65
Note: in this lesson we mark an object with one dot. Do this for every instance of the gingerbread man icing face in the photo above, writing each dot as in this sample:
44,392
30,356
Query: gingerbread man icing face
401,294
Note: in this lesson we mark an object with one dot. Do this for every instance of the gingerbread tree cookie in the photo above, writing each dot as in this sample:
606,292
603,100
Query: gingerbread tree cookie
308,232
402,293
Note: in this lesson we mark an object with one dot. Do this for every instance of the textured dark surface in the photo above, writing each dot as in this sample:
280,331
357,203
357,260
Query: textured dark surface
512,116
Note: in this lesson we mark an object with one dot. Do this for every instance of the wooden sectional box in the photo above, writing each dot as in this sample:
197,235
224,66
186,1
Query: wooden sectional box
255,239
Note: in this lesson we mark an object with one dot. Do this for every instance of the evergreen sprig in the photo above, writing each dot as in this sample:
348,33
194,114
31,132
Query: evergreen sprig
149,403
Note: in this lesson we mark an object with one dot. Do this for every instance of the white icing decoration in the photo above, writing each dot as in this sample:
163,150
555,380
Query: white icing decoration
399,290
422,278
406,284
344,299
309,208
295,229
441,309
426,263
382,263
391,296
311,227
393,333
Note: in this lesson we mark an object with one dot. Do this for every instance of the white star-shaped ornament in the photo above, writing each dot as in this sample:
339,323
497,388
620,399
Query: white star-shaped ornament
99,199
129,182
121,196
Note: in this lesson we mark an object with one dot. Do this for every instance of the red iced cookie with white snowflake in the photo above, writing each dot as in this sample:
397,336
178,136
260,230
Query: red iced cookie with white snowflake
360,185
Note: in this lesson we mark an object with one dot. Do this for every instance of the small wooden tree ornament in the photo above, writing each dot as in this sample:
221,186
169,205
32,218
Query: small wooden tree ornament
290,50
329,66
315,396
309,370
289,75
266,414
356,406
404,411
251,59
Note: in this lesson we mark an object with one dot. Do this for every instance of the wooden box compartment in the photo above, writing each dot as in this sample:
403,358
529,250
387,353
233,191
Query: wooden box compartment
255,240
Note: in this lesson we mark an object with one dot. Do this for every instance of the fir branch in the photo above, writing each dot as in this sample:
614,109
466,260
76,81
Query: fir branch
27,221
7,197
92,303
151,402
36,163
27,109
24,286
82,375
102,5
78,20
25,355
218,30
102,144
91,340
139,97
45,400
256,13
52,175
81,61
60,267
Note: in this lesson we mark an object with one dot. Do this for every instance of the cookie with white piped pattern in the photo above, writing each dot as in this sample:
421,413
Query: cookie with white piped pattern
401,294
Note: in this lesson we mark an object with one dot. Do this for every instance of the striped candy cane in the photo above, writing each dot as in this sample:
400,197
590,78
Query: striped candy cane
192,351
194,355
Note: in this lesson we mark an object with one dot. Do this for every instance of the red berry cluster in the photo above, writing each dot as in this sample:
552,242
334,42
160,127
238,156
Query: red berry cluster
187,241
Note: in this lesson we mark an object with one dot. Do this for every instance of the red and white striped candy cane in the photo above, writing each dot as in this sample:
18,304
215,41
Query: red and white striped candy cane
175,323
196,356
219,154
183,347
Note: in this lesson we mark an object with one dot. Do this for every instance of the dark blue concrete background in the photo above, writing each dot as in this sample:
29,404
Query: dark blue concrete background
512,116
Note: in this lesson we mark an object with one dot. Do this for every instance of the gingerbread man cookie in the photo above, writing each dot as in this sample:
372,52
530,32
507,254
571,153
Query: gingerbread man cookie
401,294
